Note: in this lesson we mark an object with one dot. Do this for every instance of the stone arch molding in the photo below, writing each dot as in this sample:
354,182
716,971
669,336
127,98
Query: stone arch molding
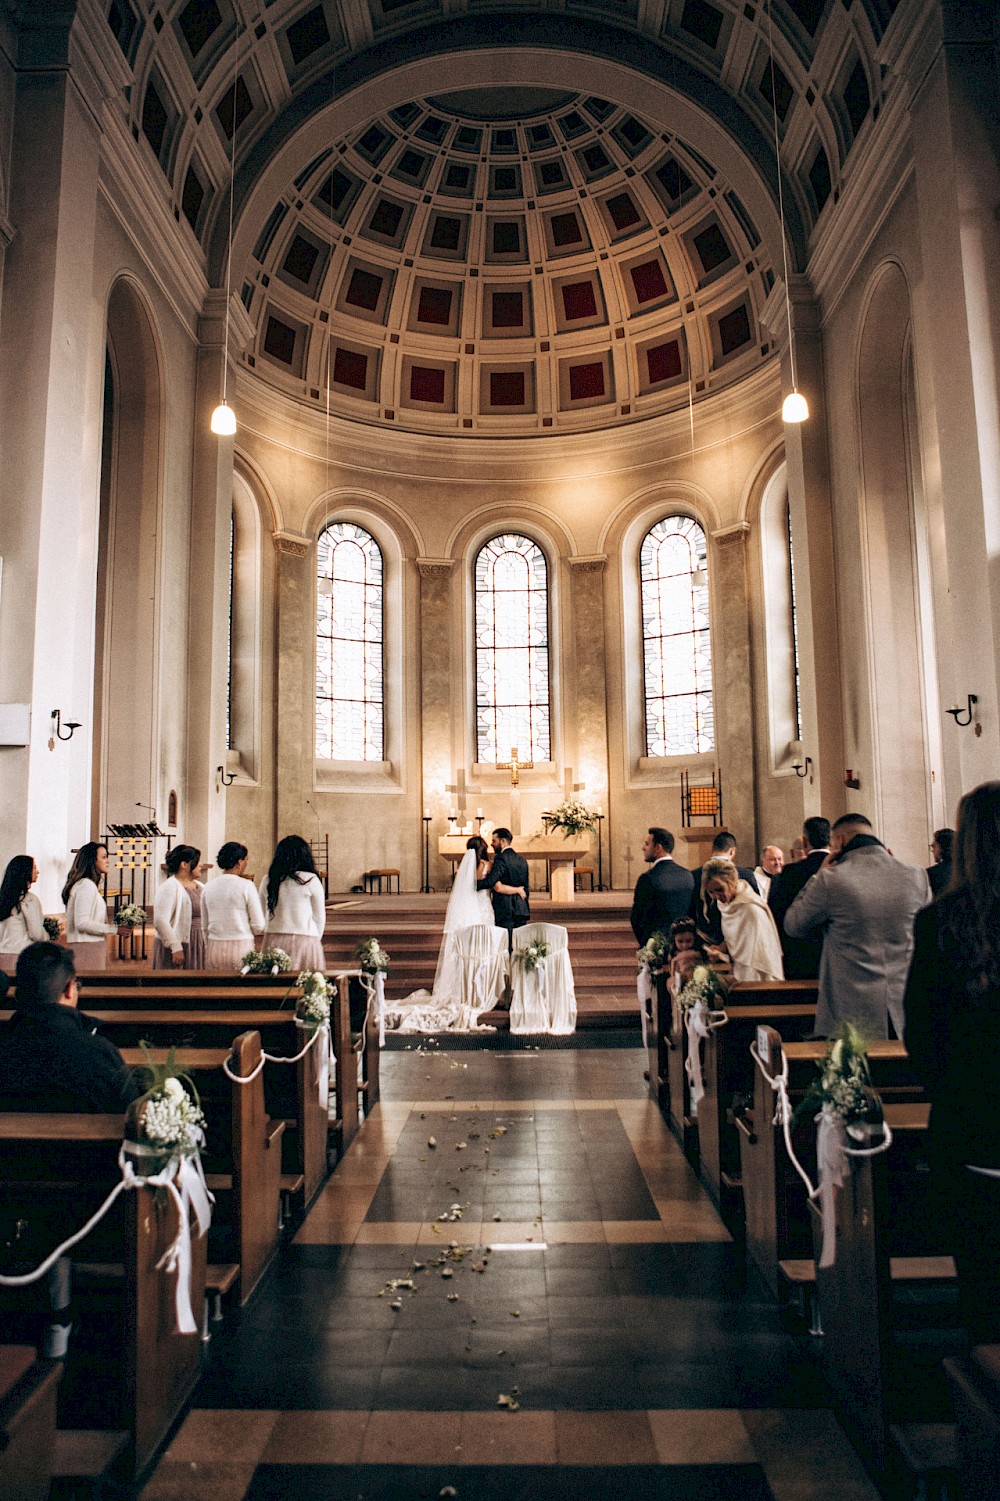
367,508
645,507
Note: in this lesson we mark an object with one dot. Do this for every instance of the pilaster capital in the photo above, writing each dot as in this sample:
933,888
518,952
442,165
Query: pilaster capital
291,544
589,563
738,532
436,568
805,311
212,322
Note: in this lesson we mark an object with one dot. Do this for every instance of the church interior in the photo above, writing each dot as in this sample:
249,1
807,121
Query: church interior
419,414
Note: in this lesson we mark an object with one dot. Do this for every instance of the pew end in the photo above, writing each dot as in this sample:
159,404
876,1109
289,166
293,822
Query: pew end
27,1423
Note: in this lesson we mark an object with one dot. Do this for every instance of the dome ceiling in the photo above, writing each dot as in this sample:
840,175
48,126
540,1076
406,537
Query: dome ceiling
520,259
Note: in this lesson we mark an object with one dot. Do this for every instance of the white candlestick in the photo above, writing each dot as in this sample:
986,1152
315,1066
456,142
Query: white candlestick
427,812
479,812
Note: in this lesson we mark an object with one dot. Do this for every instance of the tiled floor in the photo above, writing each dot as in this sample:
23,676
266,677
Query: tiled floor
516,1226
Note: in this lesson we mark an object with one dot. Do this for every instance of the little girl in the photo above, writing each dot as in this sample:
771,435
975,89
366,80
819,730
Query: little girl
685,953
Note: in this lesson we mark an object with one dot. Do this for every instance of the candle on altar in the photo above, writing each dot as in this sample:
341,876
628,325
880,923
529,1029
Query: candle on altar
427,812
479,812
600,810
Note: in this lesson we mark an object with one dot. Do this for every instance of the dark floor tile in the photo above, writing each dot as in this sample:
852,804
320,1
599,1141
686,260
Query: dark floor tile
580,1281
429,1388
509,1483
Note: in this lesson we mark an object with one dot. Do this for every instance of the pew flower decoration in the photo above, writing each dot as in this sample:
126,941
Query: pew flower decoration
843,1088
52,928
706,986
130,916
532,954
371,956
653,952
265,962
167,1121
312,1009
572,817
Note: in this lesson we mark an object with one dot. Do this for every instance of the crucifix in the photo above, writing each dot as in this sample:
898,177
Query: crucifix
569,786
515,766
460,789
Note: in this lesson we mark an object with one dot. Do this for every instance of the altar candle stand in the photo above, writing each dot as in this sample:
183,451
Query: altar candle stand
426,821
600,851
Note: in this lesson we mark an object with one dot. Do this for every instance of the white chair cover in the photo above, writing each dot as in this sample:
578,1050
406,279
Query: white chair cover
483,966
543,999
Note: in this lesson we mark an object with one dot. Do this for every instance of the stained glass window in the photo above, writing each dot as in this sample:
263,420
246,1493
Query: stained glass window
512,650
350,674
795,626
677,648
229,632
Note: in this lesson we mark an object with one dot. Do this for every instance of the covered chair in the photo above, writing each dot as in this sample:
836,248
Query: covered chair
483,966
543,999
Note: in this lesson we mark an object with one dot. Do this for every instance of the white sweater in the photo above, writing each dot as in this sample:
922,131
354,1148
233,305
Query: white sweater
172,914
86,914
230,910
299,908
24,927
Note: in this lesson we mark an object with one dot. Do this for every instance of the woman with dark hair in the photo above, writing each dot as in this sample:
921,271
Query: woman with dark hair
87,925
295,906
20,911
230,910
177,912
952,1008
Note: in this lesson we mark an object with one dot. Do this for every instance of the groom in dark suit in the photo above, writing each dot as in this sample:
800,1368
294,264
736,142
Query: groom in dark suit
663,892
507,883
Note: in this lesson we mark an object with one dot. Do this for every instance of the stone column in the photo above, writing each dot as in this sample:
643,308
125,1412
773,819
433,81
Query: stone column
293,773
51,382
732,673
208,593
588,691
436,700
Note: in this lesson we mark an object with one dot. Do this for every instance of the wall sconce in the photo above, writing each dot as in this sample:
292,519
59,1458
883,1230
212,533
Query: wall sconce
227,778
802,766
73,724
962,717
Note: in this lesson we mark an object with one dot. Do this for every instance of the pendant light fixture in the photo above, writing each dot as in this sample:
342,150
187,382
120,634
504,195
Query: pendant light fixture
224,418
794,408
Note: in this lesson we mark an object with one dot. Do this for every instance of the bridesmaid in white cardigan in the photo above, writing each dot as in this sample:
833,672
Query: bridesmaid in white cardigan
231,913
179,943
20,911
295,905
87,925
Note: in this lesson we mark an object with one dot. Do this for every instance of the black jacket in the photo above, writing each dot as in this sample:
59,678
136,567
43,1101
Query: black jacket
708,919
802,955
662,895
939,875
511,869
52,1059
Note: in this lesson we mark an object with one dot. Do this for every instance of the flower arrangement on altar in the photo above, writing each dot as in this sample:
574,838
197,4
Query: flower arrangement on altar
52,927
706,986
269,961
371,956
844,1087
572,817
532,954
130,916
654,952
167,1121
312,1009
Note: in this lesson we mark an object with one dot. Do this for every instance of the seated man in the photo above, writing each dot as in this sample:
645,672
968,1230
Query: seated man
50,1055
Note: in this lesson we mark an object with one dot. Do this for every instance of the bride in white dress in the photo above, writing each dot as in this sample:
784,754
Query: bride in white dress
441,1009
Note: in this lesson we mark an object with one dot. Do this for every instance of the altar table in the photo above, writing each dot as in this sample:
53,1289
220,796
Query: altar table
560,853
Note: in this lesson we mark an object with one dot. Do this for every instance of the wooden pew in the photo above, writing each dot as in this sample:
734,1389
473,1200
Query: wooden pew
27,1423
975,1387
54,1172
668,1081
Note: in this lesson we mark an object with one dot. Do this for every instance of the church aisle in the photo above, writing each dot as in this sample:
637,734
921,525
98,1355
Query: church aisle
585,1277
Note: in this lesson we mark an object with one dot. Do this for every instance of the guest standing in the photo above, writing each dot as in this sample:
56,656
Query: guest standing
231,913
748,931
20,910
772,863
704,911
295,906
939,874
952,1035
802,955
663,892
87,925
179,942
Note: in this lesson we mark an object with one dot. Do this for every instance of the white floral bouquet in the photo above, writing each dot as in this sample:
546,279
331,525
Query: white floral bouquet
312,1009
532,954
844,1086
130,916
654,952
265,962
705,985
572,817
371,956
167,1121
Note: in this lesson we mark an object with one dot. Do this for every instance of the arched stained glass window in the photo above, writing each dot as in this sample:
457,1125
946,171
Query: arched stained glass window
677,648
350,675
512,651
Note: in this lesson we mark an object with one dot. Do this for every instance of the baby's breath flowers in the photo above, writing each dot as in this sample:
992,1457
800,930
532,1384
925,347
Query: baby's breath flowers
372,956
705,986
654,951
130,916
844,1086
167,1121
270,961
312,1009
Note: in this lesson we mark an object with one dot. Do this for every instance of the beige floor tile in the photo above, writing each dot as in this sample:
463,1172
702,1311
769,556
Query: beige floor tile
327,1232
604,1438
316,1438
209,1432
706,1437
508,1230
573,1232
386,1233
416,1438
186,1480
635,1232
806,1456
508,1438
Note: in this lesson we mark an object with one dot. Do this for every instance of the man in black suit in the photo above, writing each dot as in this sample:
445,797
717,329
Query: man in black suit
507,883
802,955
939,874
706,914
663,892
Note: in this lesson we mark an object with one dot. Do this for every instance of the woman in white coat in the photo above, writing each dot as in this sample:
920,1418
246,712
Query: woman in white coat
231,913
294,905
179,943
748,928
87,925
20,911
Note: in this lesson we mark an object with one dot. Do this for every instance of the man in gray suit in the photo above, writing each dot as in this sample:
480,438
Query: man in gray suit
866,902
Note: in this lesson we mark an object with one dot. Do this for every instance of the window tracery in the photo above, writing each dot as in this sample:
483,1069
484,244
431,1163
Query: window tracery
512,650
350,670
676,638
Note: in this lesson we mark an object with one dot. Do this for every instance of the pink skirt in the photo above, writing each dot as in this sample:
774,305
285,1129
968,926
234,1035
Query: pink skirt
89,957
8,963
194,951
226,954
304,951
